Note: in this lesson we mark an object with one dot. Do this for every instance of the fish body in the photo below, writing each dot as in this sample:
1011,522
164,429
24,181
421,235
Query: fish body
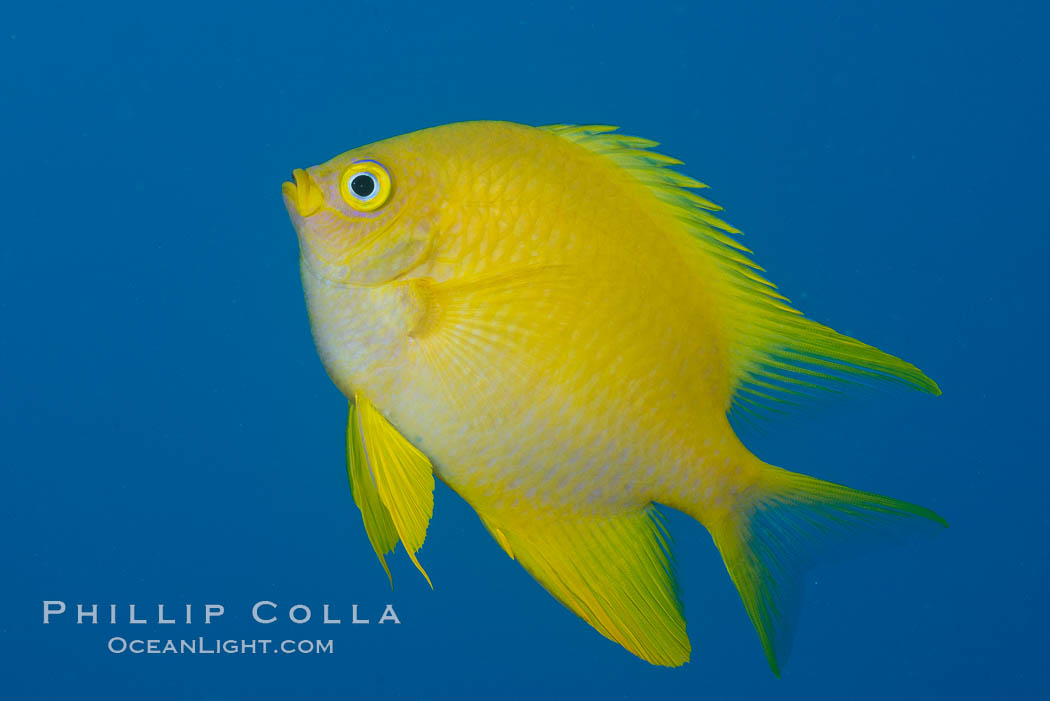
550,321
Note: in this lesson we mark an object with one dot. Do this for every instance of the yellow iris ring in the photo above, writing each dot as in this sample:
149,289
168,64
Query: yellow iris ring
382,183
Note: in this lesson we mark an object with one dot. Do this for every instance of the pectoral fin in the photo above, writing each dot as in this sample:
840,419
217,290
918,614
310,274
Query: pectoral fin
475,331
615,572
391,481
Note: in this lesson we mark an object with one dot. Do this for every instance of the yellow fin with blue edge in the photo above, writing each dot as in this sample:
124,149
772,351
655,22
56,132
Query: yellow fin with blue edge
615,572
391,481
784,525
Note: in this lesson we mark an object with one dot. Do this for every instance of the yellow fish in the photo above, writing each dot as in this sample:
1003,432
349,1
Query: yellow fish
552,322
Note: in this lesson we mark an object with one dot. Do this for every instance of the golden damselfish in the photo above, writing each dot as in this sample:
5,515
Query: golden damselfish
552,322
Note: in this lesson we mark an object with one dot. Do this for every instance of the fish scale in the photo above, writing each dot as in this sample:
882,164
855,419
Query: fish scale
551,323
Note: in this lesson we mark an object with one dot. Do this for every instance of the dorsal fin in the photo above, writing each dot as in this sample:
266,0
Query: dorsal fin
777,353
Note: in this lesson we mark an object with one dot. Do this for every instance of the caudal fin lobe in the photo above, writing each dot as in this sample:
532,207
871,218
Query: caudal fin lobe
789,522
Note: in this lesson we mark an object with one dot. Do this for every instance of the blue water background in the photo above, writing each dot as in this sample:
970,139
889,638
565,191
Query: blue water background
169,436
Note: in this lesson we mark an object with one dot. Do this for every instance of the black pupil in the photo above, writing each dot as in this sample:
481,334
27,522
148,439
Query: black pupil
363,185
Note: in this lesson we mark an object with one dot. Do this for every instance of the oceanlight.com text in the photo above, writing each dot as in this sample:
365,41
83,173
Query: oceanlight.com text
214,646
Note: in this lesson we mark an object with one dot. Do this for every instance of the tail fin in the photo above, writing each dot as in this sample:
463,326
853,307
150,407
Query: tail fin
791,521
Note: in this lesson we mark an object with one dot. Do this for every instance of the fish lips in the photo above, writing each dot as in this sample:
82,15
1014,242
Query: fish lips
302,197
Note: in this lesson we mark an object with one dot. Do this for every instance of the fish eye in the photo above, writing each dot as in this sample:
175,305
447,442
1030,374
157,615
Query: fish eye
366,186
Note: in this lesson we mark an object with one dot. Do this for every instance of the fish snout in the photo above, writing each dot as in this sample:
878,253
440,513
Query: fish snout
303,194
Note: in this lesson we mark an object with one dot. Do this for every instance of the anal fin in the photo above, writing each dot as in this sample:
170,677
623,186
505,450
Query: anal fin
615,572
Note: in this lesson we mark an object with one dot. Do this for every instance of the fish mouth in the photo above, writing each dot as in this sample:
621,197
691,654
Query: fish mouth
303,194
